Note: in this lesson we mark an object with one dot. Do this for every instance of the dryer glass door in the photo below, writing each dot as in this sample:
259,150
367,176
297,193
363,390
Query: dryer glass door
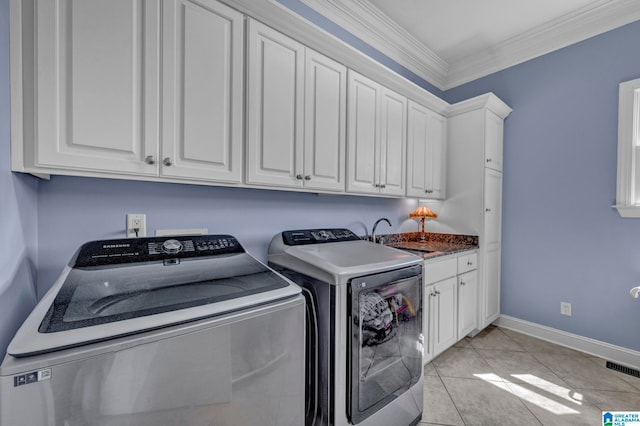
385,346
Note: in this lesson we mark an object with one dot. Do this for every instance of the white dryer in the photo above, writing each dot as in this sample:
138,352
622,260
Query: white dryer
149,331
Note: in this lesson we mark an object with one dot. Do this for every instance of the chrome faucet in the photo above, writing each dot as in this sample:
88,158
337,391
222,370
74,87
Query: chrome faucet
373,231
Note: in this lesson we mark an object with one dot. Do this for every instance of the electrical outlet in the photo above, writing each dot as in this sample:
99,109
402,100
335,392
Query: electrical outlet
136,222
565,308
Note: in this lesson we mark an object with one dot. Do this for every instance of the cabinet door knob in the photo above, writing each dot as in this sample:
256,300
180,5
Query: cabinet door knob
487,210
299,177
150,160
462,283
488,160
307,177
167,162
469,263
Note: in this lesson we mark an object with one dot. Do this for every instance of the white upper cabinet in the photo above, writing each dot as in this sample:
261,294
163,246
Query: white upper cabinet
275,113
202,96
296,110
96,103
325,123
426,147
106,70
376,139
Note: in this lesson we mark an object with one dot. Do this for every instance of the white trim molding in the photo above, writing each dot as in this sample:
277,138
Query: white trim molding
365,21
618,354
627,188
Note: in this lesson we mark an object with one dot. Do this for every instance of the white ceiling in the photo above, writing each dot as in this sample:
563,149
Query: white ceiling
454,29
450,42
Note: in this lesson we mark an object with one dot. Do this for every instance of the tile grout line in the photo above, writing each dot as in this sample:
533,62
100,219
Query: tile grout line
507,383
451,398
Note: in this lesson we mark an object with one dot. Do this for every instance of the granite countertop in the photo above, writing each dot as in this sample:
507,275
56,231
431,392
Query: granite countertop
433,245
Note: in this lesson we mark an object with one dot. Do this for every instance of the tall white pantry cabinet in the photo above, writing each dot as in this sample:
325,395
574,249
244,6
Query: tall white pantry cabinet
474,189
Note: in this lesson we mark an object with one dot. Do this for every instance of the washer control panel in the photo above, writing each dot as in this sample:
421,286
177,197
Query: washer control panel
110,252
318,236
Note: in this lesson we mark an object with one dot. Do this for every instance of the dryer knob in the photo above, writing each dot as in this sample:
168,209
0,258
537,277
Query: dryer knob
171,246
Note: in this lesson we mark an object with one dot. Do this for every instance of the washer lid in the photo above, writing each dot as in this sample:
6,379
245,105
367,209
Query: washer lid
99,295
96,303
338,262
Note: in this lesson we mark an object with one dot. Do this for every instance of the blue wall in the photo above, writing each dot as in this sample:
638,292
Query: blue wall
18,226
74,210
562,241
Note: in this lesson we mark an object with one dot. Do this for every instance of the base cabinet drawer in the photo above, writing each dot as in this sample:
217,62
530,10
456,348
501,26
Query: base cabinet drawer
439,269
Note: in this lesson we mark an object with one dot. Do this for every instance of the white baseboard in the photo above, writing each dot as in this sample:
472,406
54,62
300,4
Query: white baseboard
617,354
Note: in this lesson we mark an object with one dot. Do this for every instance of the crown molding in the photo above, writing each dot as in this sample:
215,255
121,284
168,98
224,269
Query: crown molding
596,18
368,23
487,101
288,22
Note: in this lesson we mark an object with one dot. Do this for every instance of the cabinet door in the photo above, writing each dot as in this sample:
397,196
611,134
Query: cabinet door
493,141
436,149
426,139
202,97
445,324
492,207
491,285
275,107
417,150
97,85
467,303
363,134
325,122
393,142
427,322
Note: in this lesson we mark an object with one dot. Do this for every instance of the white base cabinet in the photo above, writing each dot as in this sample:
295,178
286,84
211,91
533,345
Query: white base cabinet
450,301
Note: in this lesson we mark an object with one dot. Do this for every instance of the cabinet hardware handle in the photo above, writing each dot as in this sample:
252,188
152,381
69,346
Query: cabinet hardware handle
470,263
462,283
488,160
428,191
383,186
487,210
299,177
437,292
151,160
307,177
377,185
167,162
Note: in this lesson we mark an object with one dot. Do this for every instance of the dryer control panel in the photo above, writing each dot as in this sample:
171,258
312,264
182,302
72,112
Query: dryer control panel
318,236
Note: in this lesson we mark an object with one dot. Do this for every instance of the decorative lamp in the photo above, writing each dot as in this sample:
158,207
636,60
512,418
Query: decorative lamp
423,213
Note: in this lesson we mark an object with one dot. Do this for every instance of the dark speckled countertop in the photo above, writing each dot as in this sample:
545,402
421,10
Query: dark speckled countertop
433,245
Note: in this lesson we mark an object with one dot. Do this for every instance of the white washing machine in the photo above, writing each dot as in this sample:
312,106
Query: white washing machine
186,331
364,334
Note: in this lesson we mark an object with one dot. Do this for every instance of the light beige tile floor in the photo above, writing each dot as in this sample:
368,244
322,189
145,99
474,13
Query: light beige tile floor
501,377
